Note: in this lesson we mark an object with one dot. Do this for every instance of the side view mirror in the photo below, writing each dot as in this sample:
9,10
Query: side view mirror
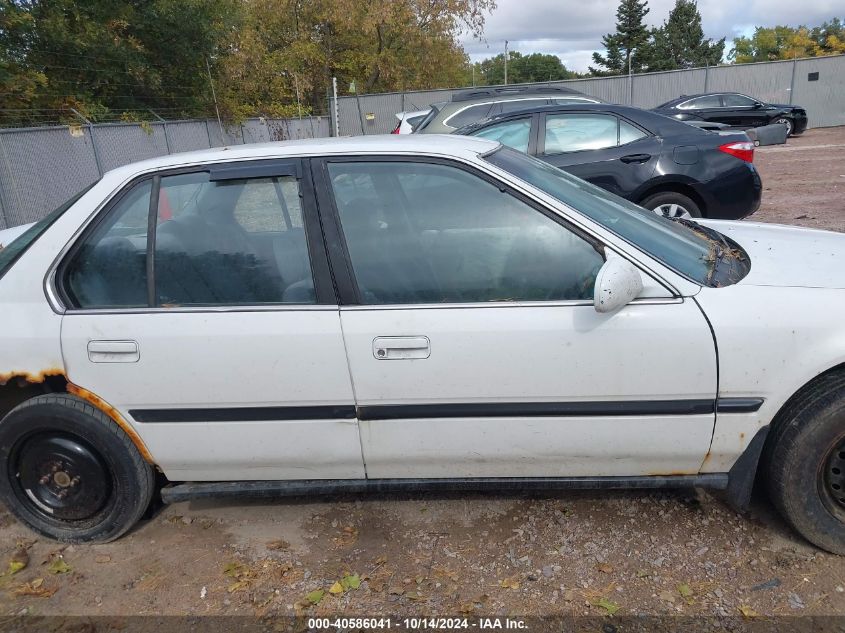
757,105
617,284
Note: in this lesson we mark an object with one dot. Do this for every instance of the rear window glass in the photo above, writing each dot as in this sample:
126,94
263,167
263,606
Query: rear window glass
469,115
12,252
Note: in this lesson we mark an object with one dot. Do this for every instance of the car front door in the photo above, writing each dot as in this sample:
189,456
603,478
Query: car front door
473,343
601,148
199,306
742,112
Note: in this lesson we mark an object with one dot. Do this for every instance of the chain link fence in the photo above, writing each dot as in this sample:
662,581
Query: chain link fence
42,167
816,83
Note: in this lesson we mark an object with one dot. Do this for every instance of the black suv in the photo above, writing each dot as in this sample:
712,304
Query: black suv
735,110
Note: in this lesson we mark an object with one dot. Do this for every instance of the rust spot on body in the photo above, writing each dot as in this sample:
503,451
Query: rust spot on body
95,401
29,378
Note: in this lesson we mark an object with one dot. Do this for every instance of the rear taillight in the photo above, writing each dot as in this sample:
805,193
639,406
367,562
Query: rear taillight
744,150
397,128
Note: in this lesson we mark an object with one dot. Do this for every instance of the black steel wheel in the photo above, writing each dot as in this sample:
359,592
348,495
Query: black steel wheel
832,484
69,472
805,462
62,475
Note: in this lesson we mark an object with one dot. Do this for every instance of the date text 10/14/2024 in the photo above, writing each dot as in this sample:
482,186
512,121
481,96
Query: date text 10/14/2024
418,623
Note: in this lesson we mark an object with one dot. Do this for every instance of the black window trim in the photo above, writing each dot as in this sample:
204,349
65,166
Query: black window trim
340,261
245,169
541,132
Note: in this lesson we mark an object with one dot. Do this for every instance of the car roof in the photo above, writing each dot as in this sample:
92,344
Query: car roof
430,144
501,93
654,122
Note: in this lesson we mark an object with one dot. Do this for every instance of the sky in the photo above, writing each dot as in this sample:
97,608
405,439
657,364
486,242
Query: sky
572,29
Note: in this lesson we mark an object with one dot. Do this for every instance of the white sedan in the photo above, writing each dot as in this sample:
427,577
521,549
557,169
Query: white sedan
389,313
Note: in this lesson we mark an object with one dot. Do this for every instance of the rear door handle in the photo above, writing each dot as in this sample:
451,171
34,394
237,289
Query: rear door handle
401,347
113,352
635,158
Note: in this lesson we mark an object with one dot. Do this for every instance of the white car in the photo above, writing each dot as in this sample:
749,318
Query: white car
408,120
382,313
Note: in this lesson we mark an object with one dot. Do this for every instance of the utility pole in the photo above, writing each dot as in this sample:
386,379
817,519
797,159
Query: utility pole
506,62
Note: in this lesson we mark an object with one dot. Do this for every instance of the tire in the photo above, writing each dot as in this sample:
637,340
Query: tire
805,463
790,126
685,206
69,472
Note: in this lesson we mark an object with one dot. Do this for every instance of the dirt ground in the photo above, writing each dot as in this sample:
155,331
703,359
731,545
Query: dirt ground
586,553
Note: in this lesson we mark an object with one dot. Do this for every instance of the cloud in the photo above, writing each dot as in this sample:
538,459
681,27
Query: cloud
573,29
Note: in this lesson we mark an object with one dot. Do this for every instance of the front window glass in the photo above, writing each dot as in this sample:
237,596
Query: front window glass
700,254
577,132
511,133
737,101
431,233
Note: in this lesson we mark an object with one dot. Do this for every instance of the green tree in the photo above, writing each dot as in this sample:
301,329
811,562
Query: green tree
535,67
290,47
786,42
107,57
628,45
680,42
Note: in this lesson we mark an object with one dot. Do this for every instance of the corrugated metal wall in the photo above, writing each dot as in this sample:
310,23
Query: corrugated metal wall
769,81
42,167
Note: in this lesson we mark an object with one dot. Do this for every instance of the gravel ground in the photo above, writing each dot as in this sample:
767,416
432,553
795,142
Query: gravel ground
587,553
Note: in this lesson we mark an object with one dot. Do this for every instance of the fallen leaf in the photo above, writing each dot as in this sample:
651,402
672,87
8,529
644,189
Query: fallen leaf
278,544
509,583
102,559
315,596
35,588
605,568
59,566
685,590
607,605
643,573
747,612
666,595
336,588
236,586
352,581
235,570
19,561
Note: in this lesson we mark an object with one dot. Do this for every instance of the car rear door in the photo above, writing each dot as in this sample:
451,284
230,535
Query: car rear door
599,147
200,306
473,343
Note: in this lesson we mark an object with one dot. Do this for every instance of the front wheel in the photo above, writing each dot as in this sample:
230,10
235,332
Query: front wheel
671,204
790,126
805,464
69,472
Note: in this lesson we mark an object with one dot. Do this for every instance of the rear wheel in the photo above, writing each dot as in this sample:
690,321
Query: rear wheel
69,472
805,464
672,204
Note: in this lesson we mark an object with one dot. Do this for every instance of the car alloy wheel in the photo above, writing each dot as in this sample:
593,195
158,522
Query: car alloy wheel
61,476
672,210
787,123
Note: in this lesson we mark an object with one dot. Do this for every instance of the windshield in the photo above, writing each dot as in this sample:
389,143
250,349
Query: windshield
696,252
10,254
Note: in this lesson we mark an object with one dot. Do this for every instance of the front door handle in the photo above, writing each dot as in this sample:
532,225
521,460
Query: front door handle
401,347
635,158
113,352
